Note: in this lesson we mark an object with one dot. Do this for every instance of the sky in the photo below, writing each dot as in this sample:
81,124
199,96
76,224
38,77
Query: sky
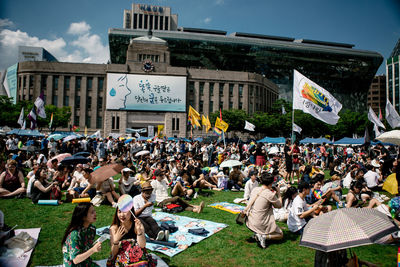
76,30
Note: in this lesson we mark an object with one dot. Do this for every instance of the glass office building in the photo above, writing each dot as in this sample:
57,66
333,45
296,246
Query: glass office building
342,70
392,77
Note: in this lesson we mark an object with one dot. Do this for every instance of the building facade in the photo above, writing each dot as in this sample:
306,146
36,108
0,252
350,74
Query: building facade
85,88
393,75
377,94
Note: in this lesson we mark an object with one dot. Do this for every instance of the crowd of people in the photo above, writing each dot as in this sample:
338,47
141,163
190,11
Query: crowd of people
160,172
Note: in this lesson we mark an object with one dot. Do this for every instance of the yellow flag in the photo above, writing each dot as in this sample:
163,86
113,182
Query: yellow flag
160,130
195,122
206,122
193,113
85,131
220,124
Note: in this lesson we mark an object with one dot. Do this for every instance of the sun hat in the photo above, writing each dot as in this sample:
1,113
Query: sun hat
126,170
146,186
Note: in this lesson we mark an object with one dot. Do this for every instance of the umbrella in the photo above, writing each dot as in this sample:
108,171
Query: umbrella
59,157
230,163
128,140
158,140
105,172
392,137
346,228
73,160
391,185
273,150
70,137
56,137
83,154
142,153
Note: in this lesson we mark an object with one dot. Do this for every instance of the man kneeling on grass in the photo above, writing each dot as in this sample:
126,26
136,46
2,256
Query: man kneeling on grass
300,212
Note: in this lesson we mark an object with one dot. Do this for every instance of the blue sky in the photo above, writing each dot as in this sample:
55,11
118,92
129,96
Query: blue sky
76,31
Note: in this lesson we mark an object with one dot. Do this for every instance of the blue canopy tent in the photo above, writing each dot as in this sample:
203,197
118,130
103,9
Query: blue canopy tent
21,132
272,140
309,140
172,139
350,141
144,138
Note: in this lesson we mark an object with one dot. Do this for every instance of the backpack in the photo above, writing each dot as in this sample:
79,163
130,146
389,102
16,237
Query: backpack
172,208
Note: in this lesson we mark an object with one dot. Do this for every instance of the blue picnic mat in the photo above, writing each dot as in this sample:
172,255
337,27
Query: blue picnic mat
182,236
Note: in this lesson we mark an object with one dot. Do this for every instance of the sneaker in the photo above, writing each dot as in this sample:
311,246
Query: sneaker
166,235
234,190
160,236
242,189
261,240
195,195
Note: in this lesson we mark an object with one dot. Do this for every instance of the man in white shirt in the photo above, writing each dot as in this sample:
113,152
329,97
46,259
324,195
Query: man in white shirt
300,211
372,178
143,205
250,184
160,187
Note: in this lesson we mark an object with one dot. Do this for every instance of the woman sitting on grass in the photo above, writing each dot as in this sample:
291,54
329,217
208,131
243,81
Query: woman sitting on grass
12,182
40,188
260,211
128,242
77,243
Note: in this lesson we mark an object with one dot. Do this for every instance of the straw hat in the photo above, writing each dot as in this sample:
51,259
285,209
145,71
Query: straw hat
146,186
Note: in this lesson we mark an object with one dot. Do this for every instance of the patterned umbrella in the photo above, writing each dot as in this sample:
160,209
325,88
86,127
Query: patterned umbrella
346,228
105,172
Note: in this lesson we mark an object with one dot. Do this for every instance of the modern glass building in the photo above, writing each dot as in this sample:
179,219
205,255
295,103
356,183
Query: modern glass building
339,68
393,74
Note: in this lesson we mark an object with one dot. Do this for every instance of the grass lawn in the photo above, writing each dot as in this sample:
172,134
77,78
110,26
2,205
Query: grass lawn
228,247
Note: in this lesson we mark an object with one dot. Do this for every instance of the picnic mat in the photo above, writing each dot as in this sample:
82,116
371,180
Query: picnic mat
182,237
229,207
22,260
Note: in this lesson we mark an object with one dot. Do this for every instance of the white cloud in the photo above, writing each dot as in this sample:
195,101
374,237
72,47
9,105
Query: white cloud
6,23
207,20
84,48
78,28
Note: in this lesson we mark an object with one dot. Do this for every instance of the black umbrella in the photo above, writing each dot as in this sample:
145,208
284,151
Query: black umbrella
73,160
83,154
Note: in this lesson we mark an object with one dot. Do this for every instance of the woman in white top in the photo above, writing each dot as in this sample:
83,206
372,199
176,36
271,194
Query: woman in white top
282,214
128,184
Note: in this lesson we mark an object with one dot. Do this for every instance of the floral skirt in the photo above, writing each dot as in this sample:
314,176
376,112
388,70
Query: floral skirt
131,254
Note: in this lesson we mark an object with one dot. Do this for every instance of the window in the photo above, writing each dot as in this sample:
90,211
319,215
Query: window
210,108
240,89
77,101
89,83
66,100
191,88
240,105
76,120
201,106
31,81
55,82
88,119
100,103
146,18
55,100
151,22
89,102
115,123
211,89
230,105
156,22
166,23
161,23
221,105
44,82
100,84
140,21
78,83
66,82
99,122
134,24
173,124
201,88
221,89
231,89
251,90
177,124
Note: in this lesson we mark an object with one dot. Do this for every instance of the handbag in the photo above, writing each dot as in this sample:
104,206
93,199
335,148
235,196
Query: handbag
241,218
97,200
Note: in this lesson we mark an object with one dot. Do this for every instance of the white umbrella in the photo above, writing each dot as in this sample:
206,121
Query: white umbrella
230,163
392,137
142,153
273,150
70,137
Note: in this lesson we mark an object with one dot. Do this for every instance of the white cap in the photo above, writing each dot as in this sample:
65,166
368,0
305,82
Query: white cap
126,170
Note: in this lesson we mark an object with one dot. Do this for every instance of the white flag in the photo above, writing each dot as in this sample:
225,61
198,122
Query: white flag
21,118
315,100
374,119
296,128
376,130
283,110
249,126
39,103
137,135
392,116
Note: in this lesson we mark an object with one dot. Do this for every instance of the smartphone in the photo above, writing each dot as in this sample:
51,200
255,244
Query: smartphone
103,238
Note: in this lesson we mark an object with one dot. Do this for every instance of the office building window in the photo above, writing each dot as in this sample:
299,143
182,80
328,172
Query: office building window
66,100
88,124
100,103
230,104
140,21
44,82
89,102
99,122
231,89
67,80
251,90
155,22
100,84
31,81
201,106
201,88
55,100
151,22
146,18
240,105
240,89
166,23
55,82
161,23
115,123
134,23
221,105
211,89
89,83
76,120
221,89
78,82
177,124
77,101
211,107
173,124
191,88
